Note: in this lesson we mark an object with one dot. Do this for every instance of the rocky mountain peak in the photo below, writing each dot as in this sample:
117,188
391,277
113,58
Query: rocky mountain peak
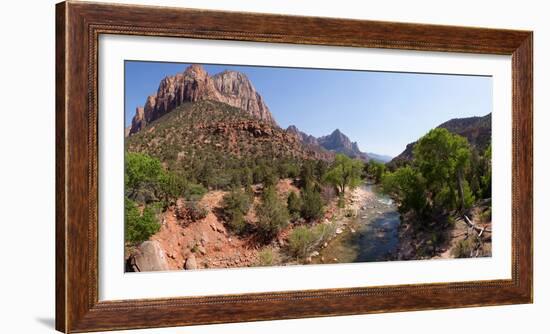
196,71
195,84
340,143
336,140
304,137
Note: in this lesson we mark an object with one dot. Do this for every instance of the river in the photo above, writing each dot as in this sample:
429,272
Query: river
373,235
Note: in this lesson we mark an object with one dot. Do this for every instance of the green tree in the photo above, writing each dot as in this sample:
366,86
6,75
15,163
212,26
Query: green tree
408,187
294,205
139,227
312,204
443,159
235,206
193,191
486,173
272,214
344,173
375,170
141,169
264,174
172,186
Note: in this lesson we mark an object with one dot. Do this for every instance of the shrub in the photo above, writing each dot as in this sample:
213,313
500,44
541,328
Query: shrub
196,210
272,215
266,257
325,231
465,248
288,169
193,191
468,195
485,216
139,227
294,205
264,175
235,206
172,186
237,223
312,205
302,241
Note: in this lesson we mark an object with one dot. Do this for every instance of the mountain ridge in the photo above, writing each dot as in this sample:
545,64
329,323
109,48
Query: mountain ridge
196,130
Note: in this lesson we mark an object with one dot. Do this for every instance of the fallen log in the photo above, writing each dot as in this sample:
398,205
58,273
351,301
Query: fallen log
478,229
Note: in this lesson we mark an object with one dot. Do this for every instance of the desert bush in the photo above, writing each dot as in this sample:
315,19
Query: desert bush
465,248
312,204
302,242
325,232
266,257
288,169
264,174
139,227
272,215
193,191
294,205
237,223
171,186
235,206
196,210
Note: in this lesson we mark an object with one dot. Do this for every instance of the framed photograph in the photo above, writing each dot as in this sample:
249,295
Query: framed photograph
222,166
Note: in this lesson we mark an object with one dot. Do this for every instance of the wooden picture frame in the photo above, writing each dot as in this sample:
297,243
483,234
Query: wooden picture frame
78,26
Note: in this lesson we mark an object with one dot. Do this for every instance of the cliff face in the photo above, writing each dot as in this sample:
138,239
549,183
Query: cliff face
237,91
194,84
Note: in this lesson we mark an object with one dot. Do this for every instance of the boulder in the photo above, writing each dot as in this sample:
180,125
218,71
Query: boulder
190,263
149,256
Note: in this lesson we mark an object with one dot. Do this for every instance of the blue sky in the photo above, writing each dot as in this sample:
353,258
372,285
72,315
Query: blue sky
382,111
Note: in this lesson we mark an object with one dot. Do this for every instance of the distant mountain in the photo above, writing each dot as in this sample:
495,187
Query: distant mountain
379,157
477,130
194,84
304,137
336,142
340,143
